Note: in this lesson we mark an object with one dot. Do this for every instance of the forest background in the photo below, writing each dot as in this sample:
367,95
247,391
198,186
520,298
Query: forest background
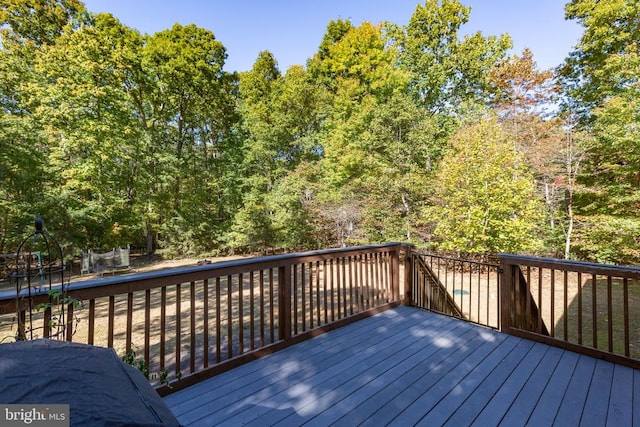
408,133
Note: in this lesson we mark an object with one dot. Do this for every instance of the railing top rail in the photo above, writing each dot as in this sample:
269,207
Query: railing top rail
577,266
220,268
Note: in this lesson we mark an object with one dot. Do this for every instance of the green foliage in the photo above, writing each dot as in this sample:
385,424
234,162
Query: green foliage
608,203
486,202
121,138
447,71
39,22
611,29
608,239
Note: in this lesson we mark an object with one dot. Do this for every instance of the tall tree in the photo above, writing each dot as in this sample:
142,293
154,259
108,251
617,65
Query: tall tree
448,71
486,202
24,27
547,143
92,133
191,114
363,135
600,78
281,122
611,28
609,203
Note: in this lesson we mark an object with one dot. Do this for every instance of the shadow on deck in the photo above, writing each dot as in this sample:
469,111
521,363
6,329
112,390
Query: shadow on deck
405,367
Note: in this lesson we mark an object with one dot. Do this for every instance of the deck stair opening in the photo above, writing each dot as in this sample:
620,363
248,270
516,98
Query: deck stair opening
432,293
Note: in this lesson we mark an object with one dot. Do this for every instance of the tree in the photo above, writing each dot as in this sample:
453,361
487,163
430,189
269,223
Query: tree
548,144
370,139
447,72
600,79
610,200
82,103
189,116
24,27
486,201
282,116
40,22
612,28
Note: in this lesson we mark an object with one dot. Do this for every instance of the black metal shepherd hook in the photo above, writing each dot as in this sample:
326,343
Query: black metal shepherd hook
40,284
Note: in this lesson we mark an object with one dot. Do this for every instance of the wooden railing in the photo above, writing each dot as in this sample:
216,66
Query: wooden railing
183,325
589,308
186,324
464,289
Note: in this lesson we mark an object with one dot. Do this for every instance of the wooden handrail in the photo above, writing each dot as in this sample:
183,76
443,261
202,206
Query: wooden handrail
191,322
580,306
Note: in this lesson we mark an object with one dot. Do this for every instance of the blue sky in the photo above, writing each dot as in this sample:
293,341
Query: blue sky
293,29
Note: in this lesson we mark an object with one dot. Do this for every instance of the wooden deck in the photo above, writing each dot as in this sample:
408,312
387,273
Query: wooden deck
410,367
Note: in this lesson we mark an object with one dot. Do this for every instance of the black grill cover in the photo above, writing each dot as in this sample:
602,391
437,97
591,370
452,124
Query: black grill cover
100,389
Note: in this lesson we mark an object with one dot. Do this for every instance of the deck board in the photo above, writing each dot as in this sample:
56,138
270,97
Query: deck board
551,398
409,367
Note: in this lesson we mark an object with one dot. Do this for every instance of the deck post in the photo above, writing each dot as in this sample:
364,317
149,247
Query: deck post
408,274
506,271
284,302
395,274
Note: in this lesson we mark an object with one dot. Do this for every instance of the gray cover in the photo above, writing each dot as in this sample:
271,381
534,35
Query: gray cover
101,389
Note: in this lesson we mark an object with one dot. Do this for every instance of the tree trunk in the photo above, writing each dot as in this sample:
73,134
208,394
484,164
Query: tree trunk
567,241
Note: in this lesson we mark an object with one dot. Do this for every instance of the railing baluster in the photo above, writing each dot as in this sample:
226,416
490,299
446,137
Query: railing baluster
318,300
580,326
92,320
284,302
240,315
350,264
518,319
609,313
478,298
112,299
625,298
528,294
361,284
311,312
376,271
229,319
453,280
295,299
488,298
163,325
129,321
552,318
566,306
252,330
178,336
218,322
324,288
205,323
46,323
344,287
471,295
261,280
192,327
594,310
68,327
331,289
303,291
272,336
338,271
372,288
366,269
147,327
540,305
